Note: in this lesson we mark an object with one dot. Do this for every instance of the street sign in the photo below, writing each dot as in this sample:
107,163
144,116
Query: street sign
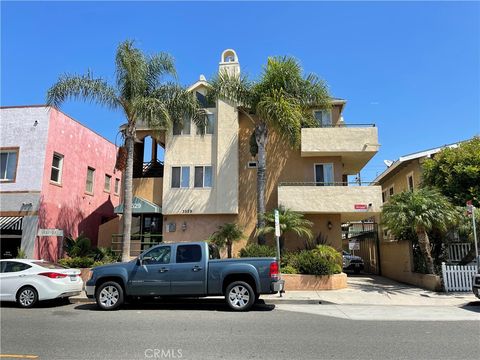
353,245
50,232
360,207
277,223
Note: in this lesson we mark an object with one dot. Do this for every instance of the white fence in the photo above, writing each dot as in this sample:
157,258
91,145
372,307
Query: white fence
458,277
457,251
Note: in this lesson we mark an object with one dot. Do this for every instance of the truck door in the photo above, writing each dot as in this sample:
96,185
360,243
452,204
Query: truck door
189,271
152,276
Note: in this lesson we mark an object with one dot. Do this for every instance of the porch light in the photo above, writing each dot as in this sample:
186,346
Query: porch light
329,225
184,226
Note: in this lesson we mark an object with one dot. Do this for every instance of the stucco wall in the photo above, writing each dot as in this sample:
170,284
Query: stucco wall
150,189
399,178
397,263
67,206
219,150
18,129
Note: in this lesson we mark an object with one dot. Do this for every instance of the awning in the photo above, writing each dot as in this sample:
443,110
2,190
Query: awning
140,206
11,222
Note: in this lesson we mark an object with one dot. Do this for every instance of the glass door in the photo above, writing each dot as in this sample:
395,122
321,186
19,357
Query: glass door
324,174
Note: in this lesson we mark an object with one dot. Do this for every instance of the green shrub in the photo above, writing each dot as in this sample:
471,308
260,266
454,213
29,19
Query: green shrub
289,269
323,260
77,262
255,250
21,254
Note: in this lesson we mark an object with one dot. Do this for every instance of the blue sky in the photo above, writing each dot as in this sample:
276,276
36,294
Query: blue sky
412,68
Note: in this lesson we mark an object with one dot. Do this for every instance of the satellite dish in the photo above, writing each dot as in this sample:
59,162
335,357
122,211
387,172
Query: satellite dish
388,162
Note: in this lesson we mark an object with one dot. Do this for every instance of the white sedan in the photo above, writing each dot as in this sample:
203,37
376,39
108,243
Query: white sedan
29,281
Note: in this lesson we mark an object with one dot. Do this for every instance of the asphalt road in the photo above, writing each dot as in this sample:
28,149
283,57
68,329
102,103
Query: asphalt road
207,330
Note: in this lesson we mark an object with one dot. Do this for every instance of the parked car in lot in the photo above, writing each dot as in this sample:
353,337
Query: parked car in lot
352,262
29,281
476,285
184,269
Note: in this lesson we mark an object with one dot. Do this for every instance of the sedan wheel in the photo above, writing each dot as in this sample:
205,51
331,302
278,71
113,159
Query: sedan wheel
27,297
240,296
109,296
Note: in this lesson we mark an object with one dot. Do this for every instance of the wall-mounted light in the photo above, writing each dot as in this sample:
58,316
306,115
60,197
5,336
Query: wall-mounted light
329,225
35,123
184,226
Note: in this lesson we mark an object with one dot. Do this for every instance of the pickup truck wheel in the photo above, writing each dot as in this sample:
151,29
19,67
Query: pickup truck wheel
109,296
240,296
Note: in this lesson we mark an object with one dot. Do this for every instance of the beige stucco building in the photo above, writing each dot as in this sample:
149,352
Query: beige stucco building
207,180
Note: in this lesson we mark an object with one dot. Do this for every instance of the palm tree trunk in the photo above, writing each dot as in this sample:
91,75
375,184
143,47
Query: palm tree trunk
128,193
229,249
261,133
424,243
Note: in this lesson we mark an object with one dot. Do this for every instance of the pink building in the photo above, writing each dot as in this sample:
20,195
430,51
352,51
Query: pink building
55,174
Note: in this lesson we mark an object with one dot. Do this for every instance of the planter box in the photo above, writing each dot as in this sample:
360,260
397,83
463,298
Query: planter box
314,282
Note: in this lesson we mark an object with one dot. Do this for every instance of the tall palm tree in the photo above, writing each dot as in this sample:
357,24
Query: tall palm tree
282,100
226,235
290,221
420,211
141,93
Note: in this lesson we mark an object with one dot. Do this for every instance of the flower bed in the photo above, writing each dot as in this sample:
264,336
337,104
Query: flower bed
294,282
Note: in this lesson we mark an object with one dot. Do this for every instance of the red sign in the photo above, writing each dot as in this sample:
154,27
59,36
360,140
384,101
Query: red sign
469,207
361,207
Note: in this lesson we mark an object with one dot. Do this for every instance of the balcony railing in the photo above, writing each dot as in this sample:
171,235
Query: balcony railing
149,169
138,242
339,125
335,183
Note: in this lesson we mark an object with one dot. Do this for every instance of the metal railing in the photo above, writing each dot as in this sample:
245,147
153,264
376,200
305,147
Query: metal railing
334,183
138,242
340,125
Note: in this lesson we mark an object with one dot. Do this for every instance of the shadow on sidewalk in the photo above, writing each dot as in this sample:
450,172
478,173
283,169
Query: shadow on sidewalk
179,304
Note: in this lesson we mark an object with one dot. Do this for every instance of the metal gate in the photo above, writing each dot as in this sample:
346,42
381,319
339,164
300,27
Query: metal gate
366,235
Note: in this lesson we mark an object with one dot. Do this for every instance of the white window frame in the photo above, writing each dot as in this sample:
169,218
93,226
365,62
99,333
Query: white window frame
324,182
203,177
60,169
391,193
7,151
181,177
329,111
116,189
410,174
93,181
213,112
107,190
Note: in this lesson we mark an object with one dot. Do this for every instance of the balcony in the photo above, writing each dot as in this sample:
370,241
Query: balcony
353,203
356,144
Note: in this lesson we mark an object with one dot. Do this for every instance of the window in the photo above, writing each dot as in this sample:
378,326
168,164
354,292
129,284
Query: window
210,126
57,166
90,179
189,253
13,266
384,196
106,187
182,129
410,183
324,174
390,191
203,177
158,255
180,177
323,117
8,166
117,186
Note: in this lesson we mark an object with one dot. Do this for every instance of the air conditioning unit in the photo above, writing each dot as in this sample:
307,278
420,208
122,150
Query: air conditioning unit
171,227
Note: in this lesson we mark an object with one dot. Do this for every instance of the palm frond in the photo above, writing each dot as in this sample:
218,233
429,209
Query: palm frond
131,71
230,87
84,87
151,111
158,66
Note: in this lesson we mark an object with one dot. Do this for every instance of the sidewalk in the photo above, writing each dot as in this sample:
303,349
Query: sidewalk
362,290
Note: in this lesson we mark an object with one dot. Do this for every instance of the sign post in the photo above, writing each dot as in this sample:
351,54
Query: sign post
277,237
471,211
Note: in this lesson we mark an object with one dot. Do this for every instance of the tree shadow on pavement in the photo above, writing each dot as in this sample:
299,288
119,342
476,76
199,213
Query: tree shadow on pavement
179,304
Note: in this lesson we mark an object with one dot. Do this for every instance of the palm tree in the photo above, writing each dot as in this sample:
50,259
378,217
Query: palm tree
420,211
281,99
226,235
142,96
290,221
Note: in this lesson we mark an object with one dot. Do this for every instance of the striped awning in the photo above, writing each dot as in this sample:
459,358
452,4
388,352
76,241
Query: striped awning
11,222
